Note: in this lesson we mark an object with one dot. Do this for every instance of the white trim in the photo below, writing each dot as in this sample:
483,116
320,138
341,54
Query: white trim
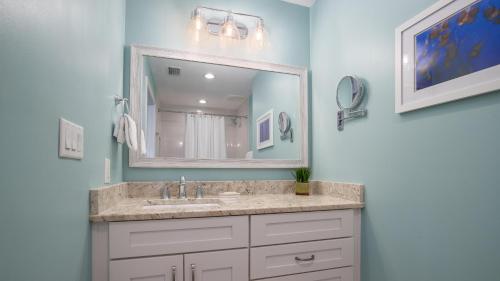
269,115
136,160
480,82
305,3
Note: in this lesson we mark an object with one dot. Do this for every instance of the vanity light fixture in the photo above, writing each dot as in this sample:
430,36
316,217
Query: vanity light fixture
225,24
202,101
209,76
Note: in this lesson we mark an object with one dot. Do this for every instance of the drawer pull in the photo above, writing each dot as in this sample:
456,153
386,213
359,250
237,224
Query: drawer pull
306,259
193,272
174,269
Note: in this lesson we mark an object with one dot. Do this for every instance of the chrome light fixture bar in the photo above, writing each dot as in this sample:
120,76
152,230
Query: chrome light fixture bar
224,23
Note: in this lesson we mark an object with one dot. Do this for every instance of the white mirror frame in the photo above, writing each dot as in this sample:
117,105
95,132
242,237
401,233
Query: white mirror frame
137,160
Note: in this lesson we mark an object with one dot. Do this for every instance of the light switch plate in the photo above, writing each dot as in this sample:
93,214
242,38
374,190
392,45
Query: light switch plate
107,170
70,140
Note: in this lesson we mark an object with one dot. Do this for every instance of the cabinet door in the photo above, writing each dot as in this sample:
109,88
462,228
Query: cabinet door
147,269
229,265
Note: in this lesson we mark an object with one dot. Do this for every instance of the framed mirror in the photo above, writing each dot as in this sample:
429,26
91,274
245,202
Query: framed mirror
204,111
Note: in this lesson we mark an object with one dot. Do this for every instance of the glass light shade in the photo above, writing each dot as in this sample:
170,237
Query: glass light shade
229,28
259,31
199,22
258,39
198,27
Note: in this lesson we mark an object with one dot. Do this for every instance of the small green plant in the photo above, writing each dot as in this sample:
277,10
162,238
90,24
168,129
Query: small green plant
302,174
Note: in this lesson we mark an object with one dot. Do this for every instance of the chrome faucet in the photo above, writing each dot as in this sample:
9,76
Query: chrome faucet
182,188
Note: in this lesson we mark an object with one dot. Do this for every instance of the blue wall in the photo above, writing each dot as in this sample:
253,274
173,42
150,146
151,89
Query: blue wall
164,24
432,176
280,92
58,58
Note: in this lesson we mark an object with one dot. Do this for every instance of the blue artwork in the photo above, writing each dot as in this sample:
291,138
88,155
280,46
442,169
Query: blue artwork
466,42
264,131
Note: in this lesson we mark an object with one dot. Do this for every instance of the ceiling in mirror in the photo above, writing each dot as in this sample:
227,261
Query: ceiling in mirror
184,83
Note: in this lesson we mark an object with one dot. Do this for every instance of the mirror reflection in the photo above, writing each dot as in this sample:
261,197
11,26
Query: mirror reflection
349,92
194,110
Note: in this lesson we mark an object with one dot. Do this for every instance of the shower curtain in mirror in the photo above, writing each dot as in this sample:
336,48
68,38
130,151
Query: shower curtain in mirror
205,137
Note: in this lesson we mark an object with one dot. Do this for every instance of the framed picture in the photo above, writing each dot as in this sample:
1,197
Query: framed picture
449,51
264,126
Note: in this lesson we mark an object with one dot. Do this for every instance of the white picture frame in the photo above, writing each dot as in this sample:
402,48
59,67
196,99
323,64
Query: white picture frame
264,130
407,97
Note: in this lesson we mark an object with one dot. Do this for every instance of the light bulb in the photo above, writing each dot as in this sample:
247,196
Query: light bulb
258,35
198,22
228,31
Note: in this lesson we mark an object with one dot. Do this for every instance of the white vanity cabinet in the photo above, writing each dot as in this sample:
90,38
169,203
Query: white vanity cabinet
303,246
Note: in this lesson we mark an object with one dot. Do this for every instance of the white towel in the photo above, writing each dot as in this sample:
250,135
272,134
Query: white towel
143,143
126,131
131,132
119,132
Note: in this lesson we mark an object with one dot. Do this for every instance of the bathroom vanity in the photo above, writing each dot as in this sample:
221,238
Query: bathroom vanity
270,237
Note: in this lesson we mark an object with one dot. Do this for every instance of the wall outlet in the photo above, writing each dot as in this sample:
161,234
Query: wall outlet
107,170
70,140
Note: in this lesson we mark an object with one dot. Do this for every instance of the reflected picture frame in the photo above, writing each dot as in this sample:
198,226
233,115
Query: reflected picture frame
264,130
446,53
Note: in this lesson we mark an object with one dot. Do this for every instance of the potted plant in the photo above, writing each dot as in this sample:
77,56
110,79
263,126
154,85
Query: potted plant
302,176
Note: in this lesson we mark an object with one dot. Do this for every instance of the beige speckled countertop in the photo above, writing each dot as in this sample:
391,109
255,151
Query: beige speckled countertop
123,202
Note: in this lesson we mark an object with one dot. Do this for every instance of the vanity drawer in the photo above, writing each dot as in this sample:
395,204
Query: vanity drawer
300,227
338,274
280,260
158,268
148,238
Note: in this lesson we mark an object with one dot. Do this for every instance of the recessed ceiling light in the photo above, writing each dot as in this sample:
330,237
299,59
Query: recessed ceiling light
209,76
202,101
199,111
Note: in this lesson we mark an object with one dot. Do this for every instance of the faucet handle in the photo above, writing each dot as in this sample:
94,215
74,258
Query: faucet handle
199,192
166,192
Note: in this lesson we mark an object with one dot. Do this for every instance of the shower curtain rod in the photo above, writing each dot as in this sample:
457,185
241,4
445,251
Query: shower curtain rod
202,113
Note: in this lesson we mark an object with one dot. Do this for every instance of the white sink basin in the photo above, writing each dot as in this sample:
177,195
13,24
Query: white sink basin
172,204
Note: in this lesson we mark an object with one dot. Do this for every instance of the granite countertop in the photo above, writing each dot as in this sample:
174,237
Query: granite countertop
126,201
132,209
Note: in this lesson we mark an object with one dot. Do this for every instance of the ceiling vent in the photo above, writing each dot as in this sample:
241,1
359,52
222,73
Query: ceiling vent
235,98
174,71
